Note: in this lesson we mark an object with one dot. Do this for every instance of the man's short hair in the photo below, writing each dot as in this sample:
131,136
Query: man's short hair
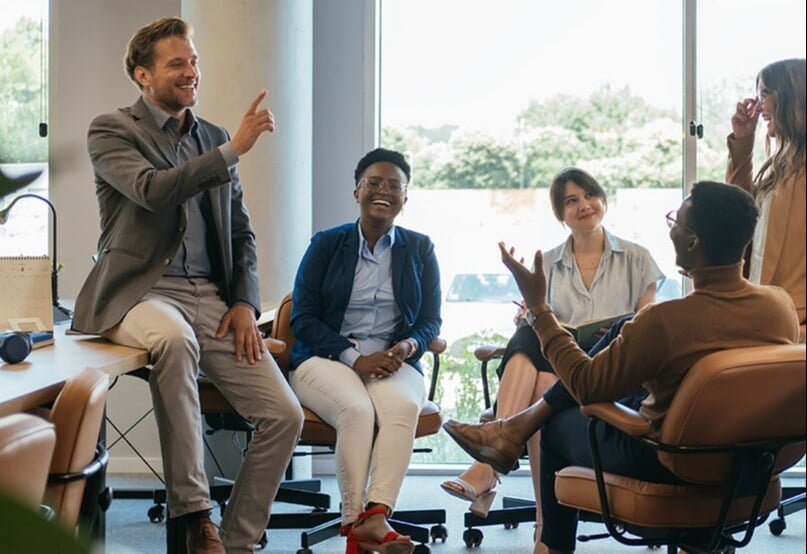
381,155
140,50
724,217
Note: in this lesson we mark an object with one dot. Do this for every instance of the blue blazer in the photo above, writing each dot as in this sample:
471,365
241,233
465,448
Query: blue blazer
325,280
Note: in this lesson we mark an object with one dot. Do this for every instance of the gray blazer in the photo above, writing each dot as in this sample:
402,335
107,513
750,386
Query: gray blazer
141,190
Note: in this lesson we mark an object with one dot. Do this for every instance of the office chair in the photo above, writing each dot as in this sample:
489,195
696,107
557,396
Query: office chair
26,448
320,526
735,423
76,489
514,510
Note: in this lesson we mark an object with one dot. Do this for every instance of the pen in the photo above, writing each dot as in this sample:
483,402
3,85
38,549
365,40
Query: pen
517,303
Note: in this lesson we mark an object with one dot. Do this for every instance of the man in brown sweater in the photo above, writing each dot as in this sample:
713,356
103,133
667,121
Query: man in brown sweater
655,350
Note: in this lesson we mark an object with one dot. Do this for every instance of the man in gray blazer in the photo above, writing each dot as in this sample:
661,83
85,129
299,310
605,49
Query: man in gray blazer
176,274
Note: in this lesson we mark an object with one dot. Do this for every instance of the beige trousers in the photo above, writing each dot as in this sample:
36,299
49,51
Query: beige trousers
370,465
177,322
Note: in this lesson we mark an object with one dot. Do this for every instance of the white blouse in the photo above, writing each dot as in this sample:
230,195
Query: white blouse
758,242
625,271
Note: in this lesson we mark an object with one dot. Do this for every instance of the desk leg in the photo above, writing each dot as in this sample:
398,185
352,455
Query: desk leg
99,529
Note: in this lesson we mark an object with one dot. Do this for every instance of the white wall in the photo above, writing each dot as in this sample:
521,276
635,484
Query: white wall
344,107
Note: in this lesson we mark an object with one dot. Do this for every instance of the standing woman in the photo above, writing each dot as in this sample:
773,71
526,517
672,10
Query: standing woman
778,247
365,306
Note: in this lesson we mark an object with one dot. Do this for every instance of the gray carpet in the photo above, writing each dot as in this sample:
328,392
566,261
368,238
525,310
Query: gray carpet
129,531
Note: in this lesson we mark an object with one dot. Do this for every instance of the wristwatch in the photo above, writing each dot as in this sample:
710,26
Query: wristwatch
531,315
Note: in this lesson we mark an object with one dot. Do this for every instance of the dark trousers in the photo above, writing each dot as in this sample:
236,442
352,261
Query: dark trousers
564,442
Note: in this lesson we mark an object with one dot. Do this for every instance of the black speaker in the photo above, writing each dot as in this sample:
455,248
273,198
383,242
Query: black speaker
15,346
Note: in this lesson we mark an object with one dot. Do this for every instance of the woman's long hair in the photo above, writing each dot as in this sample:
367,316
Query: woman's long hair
785,81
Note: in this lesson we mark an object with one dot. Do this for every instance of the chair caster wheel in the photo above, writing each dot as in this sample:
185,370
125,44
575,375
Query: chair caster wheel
438,532
105,499
264,540
305,551
157,513
472,537
511,525
777,526
421,549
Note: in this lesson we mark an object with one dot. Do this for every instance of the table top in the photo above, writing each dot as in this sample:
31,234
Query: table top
42,375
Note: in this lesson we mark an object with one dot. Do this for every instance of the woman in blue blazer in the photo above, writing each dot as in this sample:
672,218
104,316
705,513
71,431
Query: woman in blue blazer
365,306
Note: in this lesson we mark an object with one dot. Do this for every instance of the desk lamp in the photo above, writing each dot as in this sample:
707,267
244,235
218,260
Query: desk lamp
60,313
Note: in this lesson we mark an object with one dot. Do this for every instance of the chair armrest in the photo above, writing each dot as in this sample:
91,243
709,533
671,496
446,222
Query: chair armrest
488,352
623,418
97,464
438,345
274,346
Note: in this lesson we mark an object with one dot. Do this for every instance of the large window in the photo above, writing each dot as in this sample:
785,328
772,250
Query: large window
490,99
23,106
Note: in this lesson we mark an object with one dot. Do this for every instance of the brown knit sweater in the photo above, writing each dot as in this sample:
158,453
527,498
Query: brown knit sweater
660,344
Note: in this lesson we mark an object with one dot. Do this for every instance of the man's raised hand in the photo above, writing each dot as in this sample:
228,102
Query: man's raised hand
531,284
253,124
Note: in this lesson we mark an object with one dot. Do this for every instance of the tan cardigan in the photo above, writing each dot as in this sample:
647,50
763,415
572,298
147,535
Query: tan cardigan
783,263
657,348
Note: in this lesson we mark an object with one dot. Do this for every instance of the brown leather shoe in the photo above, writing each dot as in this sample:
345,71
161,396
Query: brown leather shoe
486,442
202,537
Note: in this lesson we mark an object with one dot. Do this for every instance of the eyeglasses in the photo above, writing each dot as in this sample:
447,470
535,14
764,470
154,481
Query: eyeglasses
376,184
672,222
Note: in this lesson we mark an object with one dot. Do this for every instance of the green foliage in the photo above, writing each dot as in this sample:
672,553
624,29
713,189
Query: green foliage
479,162
617,136
547,150
20,94
459,393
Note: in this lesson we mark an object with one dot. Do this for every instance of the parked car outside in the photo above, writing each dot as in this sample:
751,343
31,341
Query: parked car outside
479,302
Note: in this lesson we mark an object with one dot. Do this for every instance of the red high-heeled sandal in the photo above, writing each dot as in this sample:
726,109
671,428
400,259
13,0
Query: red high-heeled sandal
392,543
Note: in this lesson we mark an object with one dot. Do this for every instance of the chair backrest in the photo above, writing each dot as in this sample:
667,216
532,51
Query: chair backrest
281,330
737,396
26,447
77,415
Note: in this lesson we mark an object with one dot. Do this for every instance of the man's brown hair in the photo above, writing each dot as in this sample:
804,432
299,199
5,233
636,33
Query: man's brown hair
140,50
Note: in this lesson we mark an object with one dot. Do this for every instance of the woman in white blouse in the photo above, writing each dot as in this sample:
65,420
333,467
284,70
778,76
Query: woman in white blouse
593,274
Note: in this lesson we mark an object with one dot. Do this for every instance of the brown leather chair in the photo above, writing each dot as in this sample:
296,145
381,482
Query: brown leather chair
316,432
735,423
77,471
26,448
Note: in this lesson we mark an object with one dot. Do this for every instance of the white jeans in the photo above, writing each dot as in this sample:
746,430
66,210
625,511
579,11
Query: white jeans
370,464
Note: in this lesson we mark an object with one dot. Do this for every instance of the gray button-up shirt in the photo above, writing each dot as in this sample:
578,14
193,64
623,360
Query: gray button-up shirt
192,258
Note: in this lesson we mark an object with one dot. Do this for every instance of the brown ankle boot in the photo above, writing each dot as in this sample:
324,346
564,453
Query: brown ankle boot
202,537
486,443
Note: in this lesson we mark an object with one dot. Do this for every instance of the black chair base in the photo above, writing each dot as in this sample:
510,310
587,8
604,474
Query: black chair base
514,511
793,500
321,526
